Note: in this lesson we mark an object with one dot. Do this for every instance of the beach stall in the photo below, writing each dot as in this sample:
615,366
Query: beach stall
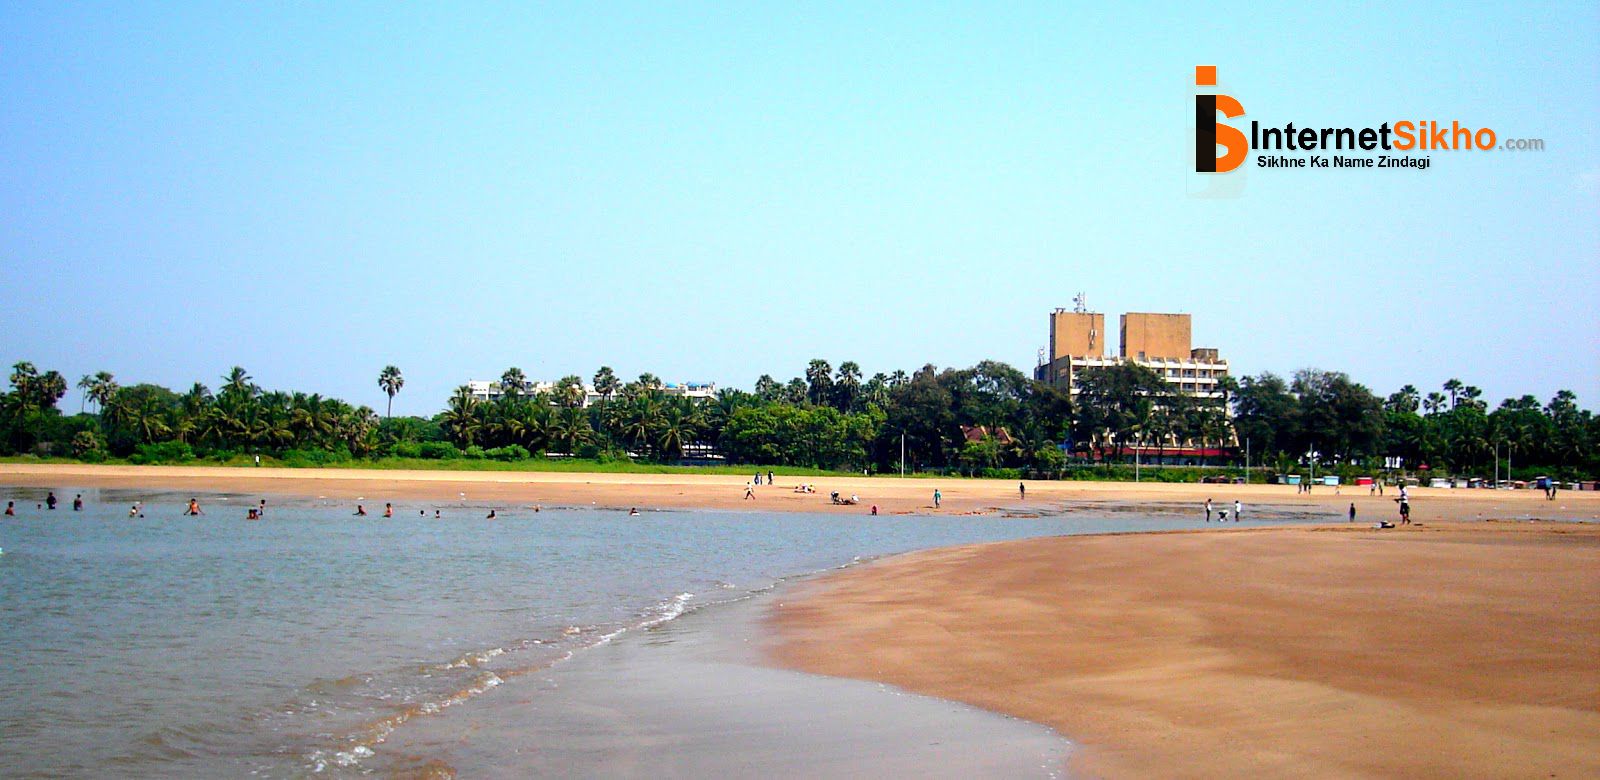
1291,479
1330,481
1364,481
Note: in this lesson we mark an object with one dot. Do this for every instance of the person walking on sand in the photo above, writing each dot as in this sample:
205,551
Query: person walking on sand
769,478
937,497
749,492
1238,509
1352,512
1208,510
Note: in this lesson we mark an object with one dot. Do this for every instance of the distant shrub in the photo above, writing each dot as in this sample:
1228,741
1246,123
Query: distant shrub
407,449
316,457
438,450
85,442
509,453
474,452
164,452
93,456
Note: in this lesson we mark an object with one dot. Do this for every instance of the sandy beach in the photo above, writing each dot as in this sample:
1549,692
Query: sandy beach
1440,650
1465,645
892,495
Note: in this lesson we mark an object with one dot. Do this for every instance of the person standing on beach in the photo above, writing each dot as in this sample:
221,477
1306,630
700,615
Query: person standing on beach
1352,512
936,498
1022,490
1208,510
1238,509
769,478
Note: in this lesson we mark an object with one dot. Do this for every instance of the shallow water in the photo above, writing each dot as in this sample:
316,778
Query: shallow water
306,642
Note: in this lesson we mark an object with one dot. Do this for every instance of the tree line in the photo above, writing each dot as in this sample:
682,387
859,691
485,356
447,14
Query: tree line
975,420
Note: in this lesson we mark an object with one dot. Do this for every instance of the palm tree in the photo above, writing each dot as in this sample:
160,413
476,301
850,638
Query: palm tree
606,383
391,381
460,419
102,389
238,381
847,386
571,429
570,392
819,381
513,383
680,422
1453,387
1433,402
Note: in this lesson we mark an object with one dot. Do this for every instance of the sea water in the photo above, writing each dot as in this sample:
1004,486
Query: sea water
307,641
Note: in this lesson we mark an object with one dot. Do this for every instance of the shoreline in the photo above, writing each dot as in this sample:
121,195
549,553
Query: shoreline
891,494
1444,649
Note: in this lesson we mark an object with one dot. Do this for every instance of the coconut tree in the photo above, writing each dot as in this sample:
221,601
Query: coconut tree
570,429
460,419
679,424
391,381
237,381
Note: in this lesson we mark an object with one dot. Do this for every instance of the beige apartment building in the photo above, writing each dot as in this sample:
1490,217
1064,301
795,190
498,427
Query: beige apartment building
1160,342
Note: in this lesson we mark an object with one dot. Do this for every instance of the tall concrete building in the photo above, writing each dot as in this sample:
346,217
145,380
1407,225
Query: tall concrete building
1159,342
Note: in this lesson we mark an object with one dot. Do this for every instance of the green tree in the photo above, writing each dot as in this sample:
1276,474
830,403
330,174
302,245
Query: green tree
391,381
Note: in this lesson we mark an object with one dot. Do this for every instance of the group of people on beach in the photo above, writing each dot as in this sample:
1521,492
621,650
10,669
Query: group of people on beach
1222,514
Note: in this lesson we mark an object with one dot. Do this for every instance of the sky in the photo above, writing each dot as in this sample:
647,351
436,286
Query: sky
711,192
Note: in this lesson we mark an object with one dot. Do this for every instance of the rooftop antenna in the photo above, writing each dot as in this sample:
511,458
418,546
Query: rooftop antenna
1080,303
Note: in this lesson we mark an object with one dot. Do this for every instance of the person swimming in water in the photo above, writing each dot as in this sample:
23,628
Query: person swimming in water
77,503
490,516
252,514
388,510
361,511
50,500
194,508
11,509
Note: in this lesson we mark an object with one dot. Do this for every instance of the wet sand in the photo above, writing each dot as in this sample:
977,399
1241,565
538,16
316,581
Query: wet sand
690,698
892,495
1440,650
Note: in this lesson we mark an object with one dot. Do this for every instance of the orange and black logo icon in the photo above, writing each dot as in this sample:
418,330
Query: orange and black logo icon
1208,132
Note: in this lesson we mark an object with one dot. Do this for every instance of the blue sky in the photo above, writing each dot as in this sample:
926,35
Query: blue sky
713,193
